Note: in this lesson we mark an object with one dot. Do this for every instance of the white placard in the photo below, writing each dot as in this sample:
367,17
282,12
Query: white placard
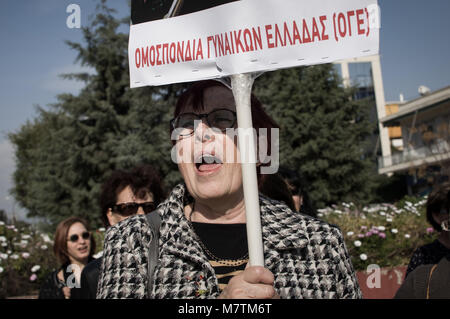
250,36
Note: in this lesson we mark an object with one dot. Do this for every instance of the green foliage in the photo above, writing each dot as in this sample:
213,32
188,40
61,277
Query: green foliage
388,235
382,234
26,258
65,154
23,248
322,132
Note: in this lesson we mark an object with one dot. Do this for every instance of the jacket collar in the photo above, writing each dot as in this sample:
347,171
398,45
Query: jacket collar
282,229
177,234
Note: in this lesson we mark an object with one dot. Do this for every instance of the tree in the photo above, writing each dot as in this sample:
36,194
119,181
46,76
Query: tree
322,131
3,216
68,151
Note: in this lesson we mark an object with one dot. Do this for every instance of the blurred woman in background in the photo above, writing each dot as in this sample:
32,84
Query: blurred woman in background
438,204
73,247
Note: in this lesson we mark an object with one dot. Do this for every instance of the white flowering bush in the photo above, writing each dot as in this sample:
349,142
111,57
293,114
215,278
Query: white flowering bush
382,234
27,258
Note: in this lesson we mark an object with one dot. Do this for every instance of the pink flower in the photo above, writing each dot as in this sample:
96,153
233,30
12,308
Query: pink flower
360,236
430,230
369,233
33,277
382,235
363,227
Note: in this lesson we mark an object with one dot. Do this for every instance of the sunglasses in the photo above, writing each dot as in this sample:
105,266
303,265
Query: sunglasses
184,124
85,235
128,209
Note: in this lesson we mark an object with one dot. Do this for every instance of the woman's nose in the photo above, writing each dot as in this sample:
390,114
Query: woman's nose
203,133
140,211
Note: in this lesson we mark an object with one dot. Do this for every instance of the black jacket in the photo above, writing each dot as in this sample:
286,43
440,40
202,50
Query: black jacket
420,280
89,280
52,286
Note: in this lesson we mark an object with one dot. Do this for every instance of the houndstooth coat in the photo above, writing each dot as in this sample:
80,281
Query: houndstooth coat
307,256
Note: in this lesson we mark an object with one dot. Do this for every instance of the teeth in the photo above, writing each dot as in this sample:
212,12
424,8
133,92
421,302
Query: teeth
207,159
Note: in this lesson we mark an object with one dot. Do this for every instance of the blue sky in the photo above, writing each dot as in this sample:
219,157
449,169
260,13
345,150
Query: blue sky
414,50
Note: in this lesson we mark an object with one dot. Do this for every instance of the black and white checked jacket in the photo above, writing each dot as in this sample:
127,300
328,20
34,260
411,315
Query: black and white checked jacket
307,256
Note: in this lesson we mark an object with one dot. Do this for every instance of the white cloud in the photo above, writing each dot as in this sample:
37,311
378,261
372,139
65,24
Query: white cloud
7,167
7,164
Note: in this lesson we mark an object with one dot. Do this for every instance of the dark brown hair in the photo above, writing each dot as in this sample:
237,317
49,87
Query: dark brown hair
143,179
60,243
275,187
194,96
437,200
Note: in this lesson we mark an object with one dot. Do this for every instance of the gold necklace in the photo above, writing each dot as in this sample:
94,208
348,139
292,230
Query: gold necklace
225,262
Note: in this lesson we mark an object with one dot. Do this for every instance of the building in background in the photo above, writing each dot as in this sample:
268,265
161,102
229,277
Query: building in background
425,131
365,75
395,132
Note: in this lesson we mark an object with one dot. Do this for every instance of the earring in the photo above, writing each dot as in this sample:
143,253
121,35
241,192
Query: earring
444,225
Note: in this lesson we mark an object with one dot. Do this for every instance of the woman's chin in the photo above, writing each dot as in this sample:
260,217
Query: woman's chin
211,190
82,256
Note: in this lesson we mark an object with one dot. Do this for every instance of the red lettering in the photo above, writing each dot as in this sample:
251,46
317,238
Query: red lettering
306,39
144,55
368,22
210,38
269,36
166,54
360,21
296,33
232,41
341,18
219,41
158,60
316,33
278,37
335,27
257,38
136,58
349,15
287,35
248,36
174,51
227,45
215,46
180,51
199,50
193,50
322,20
238,41
152,55
188,55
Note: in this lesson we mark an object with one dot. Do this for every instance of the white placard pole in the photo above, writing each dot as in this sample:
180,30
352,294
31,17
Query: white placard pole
241,85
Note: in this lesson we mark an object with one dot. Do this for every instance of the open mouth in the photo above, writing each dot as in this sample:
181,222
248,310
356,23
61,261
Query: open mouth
83,249
207,163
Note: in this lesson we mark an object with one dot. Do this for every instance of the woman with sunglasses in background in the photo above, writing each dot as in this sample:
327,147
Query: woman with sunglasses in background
73,247
124,194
